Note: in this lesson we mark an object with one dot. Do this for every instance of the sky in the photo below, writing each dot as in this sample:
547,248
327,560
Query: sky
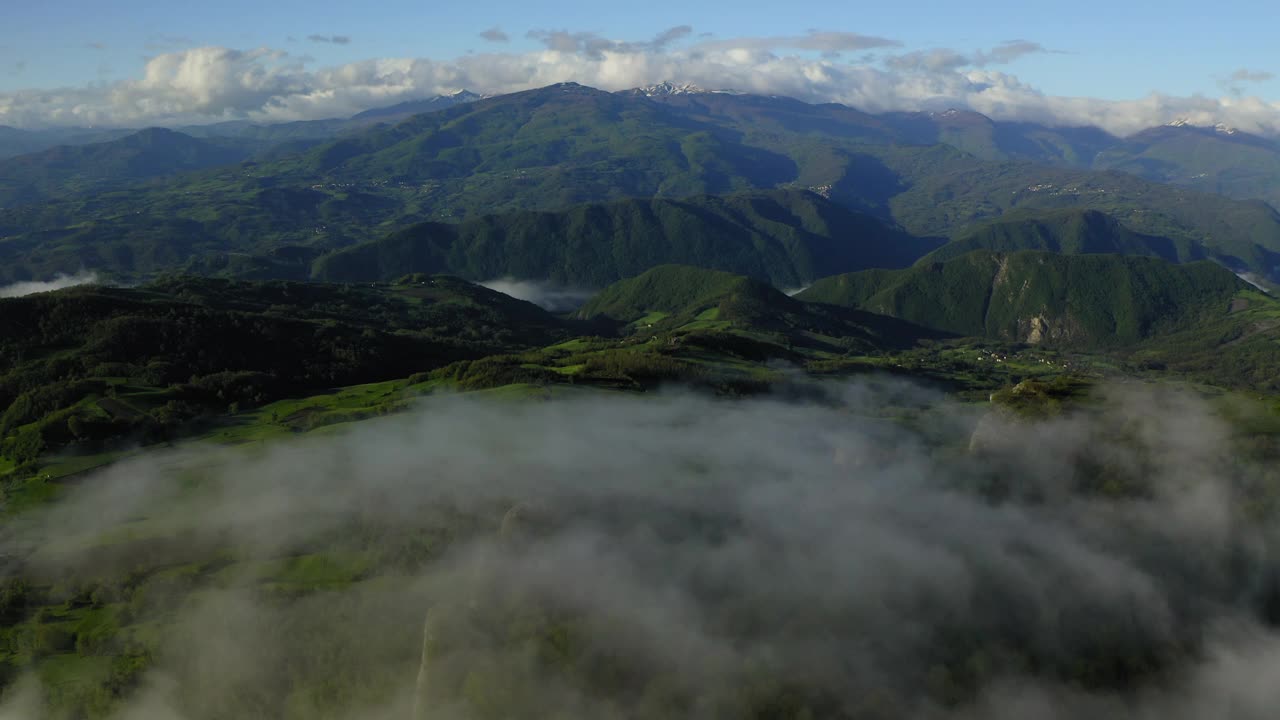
72,62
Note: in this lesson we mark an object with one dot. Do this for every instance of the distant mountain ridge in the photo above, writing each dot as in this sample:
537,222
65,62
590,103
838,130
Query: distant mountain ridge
146,154
1215,159
568,145
16,141
417,107
786,237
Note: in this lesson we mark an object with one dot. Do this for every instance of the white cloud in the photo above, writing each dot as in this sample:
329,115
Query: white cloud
544,295
206,84
58,283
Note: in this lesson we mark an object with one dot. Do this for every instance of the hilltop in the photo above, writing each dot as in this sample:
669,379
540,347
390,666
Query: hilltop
680,290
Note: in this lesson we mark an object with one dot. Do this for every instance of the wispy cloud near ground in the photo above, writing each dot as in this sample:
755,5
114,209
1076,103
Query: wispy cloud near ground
544,295
61,281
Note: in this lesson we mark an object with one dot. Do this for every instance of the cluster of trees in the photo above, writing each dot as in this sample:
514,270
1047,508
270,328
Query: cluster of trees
89,364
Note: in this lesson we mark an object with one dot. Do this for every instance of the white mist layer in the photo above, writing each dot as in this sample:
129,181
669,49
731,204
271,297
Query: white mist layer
59,282
700,541
1253,280
545,295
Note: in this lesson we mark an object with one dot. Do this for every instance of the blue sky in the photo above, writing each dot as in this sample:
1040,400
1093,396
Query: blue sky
1115,50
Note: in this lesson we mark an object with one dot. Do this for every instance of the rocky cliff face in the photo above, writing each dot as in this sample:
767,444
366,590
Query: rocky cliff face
1039,329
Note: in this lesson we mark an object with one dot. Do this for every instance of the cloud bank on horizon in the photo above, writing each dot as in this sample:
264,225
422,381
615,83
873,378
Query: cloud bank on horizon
210,84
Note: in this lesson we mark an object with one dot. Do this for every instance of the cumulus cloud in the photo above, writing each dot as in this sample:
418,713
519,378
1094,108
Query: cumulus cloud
59,282
331,39
205,84
495,35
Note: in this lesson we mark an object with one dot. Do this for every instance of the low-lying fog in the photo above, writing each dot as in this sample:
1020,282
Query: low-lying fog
59,282
679,556
549,297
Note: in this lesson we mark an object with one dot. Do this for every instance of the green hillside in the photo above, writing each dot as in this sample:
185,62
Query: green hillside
680,290
680,297
1072,231
1035,297
786,237
86,364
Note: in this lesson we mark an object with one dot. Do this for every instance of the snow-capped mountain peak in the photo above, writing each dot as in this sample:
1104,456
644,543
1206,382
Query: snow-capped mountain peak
949,113
668,88
1220,128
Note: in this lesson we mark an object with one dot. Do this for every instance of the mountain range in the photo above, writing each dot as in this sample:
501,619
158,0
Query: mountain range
1212,158
932,176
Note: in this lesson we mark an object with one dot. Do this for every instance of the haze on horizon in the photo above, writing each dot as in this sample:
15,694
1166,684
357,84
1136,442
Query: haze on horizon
1120,68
